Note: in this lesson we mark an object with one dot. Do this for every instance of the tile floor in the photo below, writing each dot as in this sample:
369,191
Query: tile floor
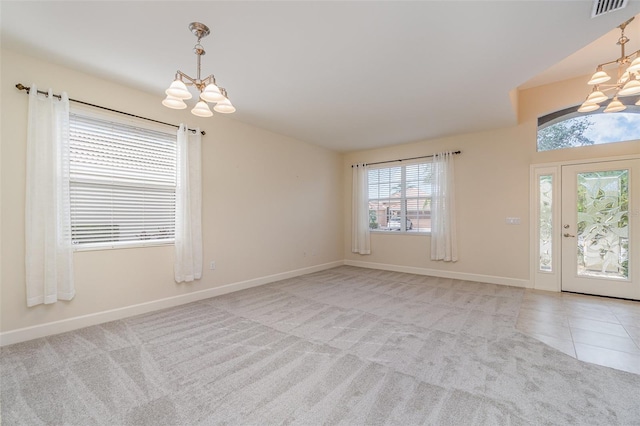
594,329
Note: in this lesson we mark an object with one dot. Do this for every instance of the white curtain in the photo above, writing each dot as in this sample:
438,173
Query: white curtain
48,249
443,209
188,236
360,240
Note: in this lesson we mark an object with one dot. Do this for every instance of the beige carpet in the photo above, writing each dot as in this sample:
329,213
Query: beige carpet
344,346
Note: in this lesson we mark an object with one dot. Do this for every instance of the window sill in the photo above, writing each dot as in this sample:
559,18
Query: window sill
411,233
130,245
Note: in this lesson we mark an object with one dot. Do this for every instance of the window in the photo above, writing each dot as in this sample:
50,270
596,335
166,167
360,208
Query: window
400,198
122,184
545,222
569,128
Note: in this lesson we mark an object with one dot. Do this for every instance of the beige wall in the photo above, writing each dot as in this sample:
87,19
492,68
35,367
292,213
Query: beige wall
297,212
287,191
492,183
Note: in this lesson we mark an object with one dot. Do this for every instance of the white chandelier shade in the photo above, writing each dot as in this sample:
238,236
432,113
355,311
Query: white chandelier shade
635,66
631,88
596,97
172,102
202,110
626,84
178,91
224,107
599,77
211,93
588,107
615,106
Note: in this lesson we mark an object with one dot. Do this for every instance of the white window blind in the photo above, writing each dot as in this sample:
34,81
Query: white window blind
122,184
400,198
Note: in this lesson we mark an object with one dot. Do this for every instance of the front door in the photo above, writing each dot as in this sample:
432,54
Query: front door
600,228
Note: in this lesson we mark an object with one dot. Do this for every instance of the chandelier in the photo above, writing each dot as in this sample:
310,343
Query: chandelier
177,93
627,79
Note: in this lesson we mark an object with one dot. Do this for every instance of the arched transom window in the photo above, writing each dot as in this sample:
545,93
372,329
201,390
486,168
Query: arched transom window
569,128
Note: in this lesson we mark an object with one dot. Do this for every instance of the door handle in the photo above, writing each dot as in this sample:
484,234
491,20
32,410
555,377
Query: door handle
566,234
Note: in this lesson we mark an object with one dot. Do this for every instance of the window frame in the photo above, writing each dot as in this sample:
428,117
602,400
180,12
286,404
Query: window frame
120,119
403,199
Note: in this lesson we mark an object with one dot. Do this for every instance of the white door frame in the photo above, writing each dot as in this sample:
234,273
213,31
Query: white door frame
542,279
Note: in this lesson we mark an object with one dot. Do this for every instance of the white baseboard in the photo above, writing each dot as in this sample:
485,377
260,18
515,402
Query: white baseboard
62,326
514,282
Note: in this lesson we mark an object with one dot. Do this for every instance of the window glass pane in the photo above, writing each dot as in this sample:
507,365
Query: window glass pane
107,213
395,174
545,224
419,214
385,190
603,224
377,214
569,128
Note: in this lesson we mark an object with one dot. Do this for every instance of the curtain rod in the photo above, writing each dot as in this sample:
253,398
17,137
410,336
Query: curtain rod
407,159
20,86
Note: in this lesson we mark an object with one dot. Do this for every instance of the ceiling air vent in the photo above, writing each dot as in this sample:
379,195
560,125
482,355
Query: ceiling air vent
600,7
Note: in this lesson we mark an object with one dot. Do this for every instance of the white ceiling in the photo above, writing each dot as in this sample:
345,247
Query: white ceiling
345,75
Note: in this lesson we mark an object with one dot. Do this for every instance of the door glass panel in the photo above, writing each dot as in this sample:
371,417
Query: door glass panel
603,224
545,225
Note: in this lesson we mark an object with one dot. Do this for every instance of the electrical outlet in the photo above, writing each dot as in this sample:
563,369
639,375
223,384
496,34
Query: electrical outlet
212,265
513,221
